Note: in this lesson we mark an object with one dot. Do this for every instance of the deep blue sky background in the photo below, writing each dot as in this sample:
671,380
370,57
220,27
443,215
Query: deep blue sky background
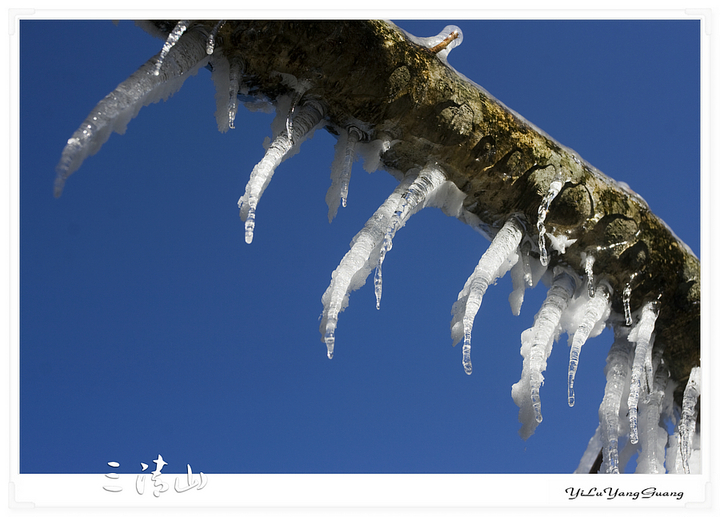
149,327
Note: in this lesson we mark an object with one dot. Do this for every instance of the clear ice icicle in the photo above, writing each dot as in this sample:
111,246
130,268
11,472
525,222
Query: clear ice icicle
233,88
536,347
627,292
170,42
340,170
357,264
689,417
589,263
543,210
226,77
120,106
427,181
306,118
616,375
651,458
210,47
593,311
641,335
348,159
495,262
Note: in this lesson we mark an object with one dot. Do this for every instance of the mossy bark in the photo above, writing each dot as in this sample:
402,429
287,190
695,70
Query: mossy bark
371,76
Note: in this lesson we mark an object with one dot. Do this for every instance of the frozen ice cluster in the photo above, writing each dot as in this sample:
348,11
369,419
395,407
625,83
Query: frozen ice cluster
638,402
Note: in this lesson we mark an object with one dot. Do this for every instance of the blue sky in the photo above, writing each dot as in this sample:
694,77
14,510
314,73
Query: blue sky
149,327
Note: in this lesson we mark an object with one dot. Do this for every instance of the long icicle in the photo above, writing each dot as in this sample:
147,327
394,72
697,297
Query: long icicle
357,264
495,262
593,311
428,180
226,76
616,375
653,439
341,169
537,344
305,118
641,335
120,106
689,417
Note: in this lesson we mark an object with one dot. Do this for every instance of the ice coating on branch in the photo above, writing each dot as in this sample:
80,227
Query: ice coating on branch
537,344
440,45
341,169
210,47
641,335
170,42
616,385
689,417
357,263
543,210
297,127
142,88
427,182
593,311
497,260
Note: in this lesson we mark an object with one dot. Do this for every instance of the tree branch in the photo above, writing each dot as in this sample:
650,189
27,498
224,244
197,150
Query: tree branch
372,76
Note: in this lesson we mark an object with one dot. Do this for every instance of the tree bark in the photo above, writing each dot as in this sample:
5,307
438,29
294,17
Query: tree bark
370,75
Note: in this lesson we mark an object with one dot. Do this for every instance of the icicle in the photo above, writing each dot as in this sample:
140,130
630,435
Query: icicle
357,263
495,262
641,335
589,262
172,39
536,348
353,138
226,77
121,105
653,439
543,210
307,117
428,181
616,374
340,170
594,310
626,304
210,47
525,256
233,88
689,417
